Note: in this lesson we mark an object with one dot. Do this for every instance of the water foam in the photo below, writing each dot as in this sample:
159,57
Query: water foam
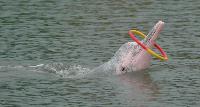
66,71
60,69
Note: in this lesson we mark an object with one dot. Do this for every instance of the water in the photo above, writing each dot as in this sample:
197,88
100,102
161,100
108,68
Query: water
79,35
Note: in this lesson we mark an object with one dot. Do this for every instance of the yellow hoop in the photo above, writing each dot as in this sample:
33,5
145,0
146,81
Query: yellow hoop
163,57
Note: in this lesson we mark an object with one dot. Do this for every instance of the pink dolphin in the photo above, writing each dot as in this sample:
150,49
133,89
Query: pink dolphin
132,57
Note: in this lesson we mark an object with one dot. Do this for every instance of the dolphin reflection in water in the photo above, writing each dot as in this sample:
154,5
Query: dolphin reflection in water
129,58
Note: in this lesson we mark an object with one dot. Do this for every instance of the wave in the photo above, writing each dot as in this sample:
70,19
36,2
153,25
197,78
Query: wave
68,71
60,69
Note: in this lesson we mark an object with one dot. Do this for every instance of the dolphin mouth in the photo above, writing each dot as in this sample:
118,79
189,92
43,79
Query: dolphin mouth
154,32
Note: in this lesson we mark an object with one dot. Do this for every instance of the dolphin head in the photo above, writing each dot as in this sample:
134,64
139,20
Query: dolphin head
132,57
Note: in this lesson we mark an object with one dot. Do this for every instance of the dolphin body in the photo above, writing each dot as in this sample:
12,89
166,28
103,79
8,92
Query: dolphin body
131,57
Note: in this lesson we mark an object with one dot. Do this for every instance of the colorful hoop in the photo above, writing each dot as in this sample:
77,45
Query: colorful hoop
164,55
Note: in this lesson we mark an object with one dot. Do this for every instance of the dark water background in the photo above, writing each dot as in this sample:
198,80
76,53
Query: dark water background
83,34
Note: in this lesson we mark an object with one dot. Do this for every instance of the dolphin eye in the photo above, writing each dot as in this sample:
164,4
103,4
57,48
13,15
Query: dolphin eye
123,68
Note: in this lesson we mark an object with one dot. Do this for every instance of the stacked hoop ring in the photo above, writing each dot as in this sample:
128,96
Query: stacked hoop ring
163,55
